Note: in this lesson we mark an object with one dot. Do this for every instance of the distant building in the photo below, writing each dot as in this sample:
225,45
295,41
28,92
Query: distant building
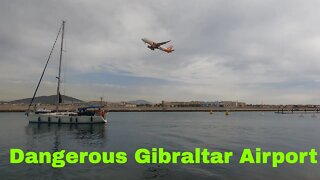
120,104
202,104
230,104
130,105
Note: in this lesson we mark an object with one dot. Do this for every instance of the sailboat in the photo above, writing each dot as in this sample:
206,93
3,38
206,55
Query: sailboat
84,115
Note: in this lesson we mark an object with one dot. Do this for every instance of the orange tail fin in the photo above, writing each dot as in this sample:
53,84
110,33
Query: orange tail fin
170,47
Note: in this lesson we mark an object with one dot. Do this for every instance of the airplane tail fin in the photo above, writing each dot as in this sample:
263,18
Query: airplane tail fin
170,49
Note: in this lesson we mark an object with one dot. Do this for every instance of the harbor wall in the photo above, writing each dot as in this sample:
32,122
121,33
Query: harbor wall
24,107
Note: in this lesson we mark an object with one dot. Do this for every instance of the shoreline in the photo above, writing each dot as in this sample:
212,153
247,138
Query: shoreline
174,109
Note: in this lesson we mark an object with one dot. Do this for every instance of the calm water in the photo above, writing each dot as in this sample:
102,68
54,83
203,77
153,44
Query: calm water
172,131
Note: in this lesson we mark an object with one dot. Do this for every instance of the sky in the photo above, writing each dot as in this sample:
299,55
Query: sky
246,50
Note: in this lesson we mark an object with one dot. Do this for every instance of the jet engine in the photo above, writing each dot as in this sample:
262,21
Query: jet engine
150,47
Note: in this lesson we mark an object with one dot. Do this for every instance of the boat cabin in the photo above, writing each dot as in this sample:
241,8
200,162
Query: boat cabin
89,110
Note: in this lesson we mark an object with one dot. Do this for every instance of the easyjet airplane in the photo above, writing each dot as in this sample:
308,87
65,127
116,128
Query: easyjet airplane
154,45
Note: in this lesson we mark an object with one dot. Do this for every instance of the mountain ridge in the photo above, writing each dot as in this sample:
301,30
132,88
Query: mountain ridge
52,99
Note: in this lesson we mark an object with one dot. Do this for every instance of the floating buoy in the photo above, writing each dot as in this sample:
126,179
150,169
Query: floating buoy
226,113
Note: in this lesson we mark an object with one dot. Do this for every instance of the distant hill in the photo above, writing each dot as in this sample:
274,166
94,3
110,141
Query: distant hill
47,100
137,102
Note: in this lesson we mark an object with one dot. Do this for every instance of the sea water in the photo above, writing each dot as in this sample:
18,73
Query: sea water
173,131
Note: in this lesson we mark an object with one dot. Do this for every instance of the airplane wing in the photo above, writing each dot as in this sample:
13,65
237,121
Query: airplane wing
162,43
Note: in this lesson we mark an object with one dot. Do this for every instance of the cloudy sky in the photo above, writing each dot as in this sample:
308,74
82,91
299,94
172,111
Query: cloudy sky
245,50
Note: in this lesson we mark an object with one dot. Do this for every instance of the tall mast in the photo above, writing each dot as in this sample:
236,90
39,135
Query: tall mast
61,49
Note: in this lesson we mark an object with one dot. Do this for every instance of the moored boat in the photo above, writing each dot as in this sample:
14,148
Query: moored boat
84,115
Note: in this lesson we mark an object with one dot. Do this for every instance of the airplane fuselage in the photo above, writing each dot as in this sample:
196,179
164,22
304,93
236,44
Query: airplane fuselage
152,45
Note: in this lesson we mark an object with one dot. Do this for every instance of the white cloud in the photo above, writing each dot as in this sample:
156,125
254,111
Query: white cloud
224,49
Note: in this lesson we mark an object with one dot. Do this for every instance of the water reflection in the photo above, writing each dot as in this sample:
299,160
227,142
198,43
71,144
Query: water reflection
58,136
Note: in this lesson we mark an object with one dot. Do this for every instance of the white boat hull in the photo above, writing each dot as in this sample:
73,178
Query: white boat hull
64,118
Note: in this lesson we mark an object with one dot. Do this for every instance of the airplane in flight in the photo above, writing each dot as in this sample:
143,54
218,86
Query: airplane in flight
154,45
